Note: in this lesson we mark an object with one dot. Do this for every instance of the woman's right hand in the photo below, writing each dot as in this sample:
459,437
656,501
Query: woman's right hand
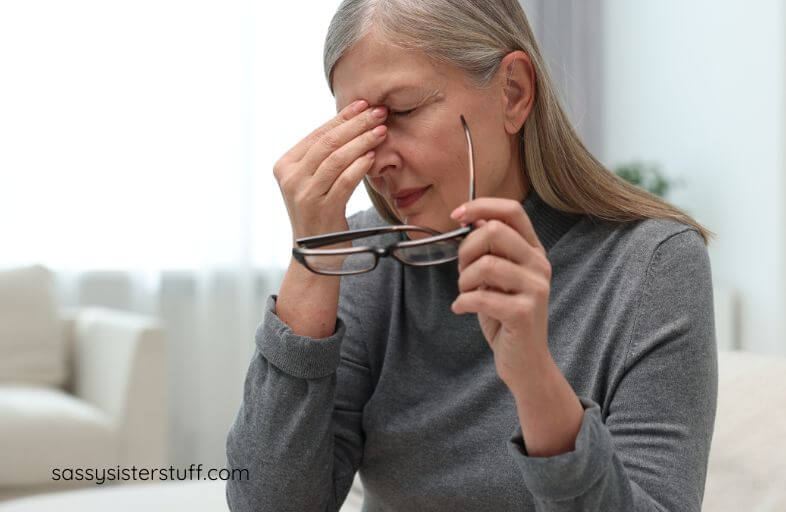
318,175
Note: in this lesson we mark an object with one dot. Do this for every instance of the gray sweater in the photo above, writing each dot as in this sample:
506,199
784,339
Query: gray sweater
406,392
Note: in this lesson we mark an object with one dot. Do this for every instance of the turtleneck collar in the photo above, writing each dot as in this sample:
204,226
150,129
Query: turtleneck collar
549,223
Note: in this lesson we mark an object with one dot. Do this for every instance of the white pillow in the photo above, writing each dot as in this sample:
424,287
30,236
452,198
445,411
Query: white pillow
32,348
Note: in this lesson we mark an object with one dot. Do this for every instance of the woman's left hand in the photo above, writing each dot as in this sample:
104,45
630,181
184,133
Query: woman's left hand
505,277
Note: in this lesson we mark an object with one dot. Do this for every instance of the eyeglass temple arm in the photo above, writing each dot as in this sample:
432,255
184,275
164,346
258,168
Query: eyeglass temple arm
343,236
470,158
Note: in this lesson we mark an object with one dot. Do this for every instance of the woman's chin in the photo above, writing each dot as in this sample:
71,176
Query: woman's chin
417,219
425,221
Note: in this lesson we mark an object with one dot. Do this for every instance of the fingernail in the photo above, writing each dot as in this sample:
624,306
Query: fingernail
379,112
458,213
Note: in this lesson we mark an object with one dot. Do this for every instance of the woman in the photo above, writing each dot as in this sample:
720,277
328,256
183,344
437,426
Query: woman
585,377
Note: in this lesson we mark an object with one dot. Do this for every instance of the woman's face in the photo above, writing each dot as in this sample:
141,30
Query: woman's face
425,145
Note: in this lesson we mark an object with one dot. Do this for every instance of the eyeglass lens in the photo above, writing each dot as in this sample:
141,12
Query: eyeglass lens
428,254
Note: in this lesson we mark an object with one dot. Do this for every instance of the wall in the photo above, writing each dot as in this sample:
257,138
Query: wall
698,87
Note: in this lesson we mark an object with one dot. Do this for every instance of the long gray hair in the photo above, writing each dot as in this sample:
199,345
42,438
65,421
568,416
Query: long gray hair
475,37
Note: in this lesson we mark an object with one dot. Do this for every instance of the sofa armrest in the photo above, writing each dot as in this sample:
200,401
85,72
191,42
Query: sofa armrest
119,365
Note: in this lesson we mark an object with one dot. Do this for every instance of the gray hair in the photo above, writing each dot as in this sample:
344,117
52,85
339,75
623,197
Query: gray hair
478,47
475,36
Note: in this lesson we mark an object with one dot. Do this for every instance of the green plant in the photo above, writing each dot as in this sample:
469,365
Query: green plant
649,177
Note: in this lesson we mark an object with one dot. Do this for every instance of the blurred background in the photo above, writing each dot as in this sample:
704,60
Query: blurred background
137,141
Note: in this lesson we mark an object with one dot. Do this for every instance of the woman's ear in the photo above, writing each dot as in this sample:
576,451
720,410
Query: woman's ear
518,89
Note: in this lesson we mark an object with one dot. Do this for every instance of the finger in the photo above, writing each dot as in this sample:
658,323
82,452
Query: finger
493,237
337,162
509,211
299,150
500,306
356,129
346,183
492,272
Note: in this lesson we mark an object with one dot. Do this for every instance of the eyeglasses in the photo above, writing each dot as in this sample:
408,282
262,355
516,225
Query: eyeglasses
435,249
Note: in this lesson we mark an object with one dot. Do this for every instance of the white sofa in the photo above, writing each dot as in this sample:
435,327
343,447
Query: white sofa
747,467
78,388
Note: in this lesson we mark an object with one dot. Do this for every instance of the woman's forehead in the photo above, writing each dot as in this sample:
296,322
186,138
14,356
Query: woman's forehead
377,72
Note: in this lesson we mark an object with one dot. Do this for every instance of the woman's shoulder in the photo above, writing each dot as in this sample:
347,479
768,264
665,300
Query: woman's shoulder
646,235
677,250
633,247
652,242
661,235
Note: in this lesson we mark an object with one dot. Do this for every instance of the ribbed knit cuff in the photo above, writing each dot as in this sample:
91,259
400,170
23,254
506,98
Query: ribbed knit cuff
571,474
300,356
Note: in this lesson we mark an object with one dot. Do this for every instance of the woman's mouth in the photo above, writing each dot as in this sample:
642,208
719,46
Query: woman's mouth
410,199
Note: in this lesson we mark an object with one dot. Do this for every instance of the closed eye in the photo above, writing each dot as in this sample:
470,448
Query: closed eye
402,112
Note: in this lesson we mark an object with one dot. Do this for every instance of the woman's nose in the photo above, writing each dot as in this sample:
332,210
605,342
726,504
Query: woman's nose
386,159
378,170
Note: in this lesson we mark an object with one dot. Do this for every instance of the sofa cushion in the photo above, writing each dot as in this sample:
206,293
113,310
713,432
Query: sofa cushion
43,428
747,467
32,349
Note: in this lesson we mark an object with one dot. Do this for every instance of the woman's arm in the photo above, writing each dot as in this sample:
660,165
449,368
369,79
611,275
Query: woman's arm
299,428
550,413
308,302
651,452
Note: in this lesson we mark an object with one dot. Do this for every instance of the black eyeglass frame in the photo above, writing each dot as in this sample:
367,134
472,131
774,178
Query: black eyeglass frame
307,246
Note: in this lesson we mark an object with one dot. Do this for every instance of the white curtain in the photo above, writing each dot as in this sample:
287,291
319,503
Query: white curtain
570,36
137,141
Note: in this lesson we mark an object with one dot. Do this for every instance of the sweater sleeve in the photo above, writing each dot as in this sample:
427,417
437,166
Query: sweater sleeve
651,452
298,430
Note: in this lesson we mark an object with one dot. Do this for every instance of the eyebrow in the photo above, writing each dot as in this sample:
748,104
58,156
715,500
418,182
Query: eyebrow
426,93
392,91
